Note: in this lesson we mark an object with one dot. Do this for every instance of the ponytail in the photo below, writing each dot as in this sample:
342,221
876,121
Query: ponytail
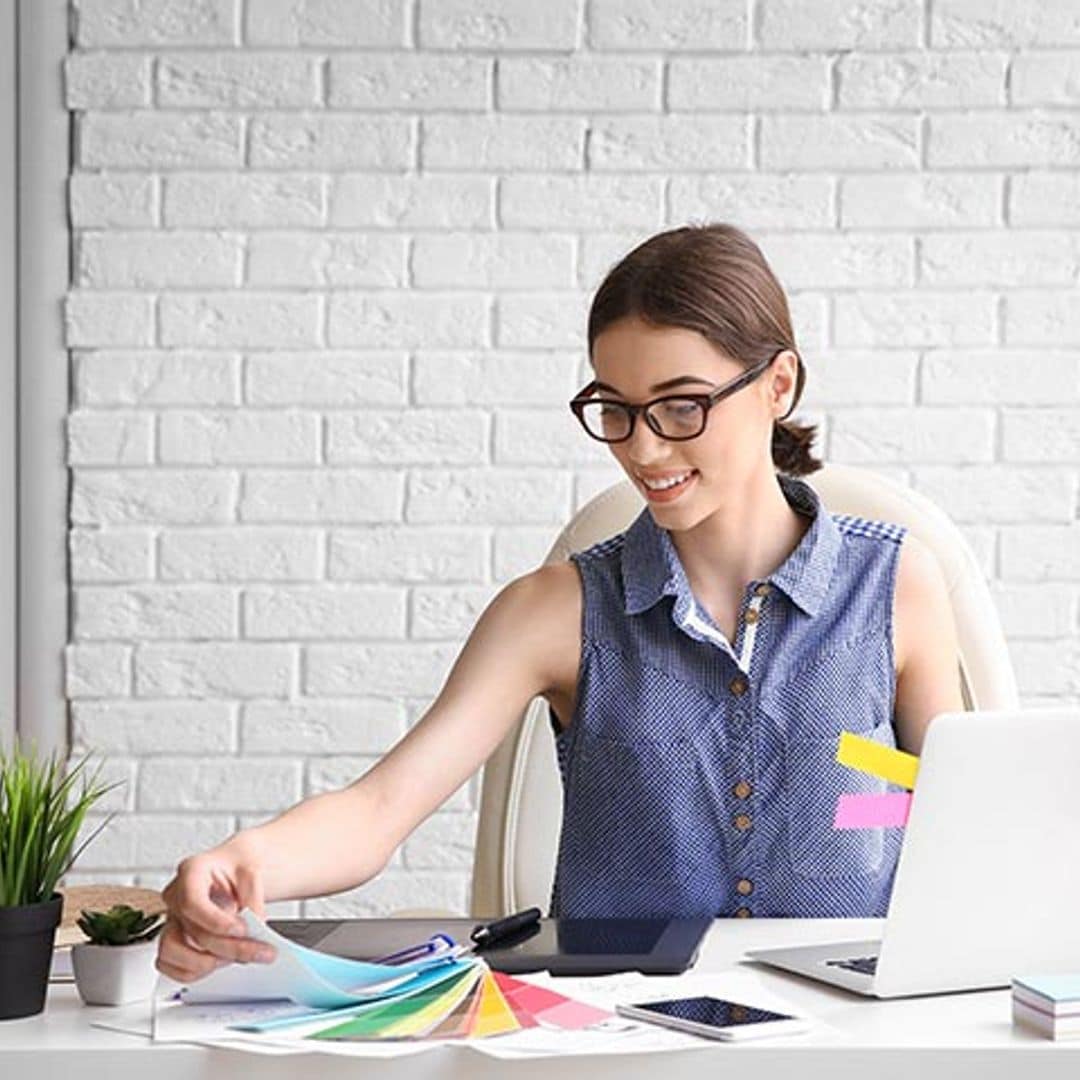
791,445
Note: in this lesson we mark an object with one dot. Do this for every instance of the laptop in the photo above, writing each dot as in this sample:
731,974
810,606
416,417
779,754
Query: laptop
988,881
561,946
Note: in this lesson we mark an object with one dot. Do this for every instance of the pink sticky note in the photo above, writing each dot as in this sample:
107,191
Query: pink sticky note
872,811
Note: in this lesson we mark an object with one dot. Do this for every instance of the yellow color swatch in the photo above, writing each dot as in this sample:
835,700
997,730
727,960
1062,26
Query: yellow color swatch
494,1016
885,762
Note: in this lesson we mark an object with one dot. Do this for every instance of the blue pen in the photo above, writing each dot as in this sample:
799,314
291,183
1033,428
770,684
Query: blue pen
482,936
436,945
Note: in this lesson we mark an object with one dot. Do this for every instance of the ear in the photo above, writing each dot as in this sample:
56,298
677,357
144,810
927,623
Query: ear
784,382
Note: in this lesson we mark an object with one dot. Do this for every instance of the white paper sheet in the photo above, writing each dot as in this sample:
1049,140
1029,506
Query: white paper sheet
138,1021
619,1035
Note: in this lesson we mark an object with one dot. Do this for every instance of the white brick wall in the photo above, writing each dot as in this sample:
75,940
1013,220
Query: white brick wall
331,266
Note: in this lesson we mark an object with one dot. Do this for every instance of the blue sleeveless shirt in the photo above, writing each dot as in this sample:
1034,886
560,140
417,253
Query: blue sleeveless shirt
699,775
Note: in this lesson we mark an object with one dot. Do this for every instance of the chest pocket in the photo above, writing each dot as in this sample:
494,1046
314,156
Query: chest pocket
846,689
640,805
640,811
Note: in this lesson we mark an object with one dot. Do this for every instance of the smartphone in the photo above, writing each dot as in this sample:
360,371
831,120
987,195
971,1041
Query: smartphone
714,1018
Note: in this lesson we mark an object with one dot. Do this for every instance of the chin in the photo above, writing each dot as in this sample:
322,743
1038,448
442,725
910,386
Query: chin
677,516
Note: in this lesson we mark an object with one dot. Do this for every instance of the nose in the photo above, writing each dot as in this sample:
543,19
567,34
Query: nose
645,447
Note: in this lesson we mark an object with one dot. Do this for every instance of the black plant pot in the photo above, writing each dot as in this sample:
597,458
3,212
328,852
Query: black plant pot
27,934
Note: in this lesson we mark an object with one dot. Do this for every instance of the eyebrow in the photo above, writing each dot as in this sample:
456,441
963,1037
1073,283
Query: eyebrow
669,384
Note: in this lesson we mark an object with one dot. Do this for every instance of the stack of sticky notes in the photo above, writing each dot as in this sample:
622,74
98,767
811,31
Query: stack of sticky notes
1048,1004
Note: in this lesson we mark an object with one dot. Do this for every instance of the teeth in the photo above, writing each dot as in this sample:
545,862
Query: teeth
660,485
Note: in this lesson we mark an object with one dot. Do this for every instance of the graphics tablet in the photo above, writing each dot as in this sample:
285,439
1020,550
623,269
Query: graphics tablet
561,946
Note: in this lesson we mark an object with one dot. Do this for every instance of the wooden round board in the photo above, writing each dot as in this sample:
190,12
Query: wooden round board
79,898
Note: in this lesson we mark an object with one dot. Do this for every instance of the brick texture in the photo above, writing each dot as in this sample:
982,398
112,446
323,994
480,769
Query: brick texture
331,265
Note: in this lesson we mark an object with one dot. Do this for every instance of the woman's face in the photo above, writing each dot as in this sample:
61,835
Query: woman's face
634,359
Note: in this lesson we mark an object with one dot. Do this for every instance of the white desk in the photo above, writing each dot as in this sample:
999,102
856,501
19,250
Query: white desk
950,1036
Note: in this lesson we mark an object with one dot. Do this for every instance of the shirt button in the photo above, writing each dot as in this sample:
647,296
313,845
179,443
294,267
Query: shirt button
742,822
742,790
762,590
742,913
744,887
751,616
738,685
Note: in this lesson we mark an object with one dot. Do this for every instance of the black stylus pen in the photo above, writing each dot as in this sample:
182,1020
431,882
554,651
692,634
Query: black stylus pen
488,933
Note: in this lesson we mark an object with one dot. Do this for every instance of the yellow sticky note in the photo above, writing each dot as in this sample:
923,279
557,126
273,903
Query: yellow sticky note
885,762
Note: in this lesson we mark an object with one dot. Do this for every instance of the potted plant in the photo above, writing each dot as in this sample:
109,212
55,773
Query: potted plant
116,966
40,818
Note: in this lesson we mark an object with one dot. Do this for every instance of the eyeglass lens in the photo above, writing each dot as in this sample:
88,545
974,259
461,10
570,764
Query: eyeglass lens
674,418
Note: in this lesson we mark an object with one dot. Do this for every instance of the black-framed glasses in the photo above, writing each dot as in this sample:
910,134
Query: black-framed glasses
674,416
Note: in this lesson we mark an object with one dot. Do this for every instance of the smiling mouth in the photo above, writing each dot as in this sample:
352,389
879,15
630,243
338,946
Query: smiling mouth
663,488
664,483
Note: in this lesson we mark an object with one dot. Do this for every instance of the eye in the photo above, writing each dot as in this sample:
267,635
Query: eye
680,410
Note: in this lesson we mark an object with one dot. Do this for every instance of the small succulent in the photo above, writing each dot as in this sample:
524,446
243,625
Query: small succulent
120,925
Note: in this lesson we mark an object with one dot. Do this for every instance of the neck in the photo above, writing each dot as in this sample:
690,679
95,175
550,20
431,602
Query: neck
743,540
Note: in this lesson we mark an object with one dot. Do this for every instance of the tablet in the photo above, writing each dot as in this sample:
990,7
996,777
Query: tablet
561,946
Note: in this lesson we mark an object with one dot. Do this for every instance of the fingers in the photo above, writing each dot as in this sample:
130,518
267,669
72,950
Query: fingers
204,930
186,956
189,893
179,960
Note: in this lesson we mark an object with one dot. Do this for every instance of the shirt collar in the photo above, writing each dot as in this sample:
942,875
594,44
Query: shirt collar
651,567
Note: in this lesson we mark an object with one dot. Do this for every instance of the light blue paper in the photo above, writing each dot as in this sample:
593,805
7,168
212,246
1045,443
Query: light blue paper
303,975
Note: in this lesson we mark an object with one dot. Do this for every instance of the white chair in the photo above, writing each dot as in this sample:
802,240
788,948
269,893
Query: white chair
521,799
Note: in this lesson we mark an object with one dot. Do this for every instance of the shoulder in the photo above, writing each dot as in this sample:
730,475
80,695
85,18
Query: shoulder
919,576
550,592
540,615
927,648
922,607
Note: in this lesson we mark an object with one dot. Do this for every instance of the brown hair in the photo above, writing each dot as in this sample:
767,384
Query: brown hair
713,279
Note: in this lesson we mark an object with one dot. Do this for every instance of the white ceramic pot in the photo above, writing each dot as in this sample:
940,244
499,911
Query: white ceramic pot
114,974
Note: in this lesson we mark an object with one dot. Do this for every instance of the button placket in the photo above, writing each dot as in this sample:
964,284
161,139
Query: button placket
750,617
741,820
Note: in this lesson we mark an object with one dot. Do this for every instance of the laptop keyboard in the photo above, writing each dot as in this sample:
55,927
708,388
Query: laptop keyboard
865,965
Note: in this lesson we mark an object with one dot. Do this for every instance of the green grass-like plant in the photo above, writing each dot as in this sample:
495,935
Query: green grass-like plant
40,818
120,925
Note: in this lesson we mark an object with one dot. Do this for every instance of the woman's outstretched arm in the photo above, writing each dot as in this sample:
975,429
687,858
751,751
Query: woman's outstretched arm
526,642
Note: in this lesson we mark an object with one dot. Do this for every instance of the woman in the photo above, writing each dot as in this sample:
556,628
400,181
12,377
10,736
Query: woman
698,667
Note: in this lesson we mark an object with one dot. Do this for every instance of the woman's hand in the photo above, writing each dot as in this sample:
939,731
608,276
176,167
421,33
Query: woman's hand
203,930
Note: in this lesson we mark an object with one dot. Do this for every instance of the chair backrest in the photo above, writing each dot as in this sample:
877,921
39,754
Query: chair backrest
521,795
